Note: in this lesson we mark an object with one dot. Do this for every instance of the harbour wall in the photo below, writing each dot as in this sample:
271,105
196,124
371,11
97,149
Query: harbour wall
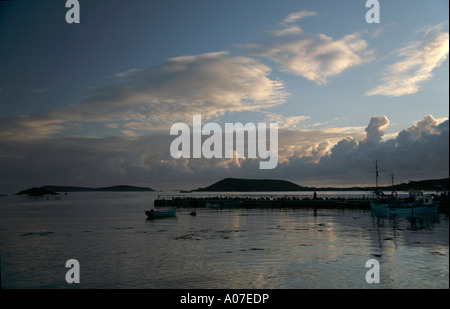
338,203
263,203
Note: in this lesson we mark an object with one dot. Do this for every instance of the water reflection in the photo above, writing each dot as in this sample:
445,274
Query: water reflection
416,222
236,248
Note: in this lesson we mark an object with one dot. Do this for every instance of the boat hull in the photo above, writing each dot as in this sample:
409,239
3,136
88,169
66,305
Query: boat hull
415,209
380,205
161,213
410,208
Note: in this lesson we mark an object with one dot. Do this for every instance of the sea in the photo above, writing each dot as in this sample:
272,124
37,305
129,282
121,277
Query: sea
117,247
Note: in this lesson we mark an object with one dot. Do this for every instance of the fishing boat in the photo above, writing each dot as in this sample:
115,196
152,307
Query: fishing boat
416,203
154,214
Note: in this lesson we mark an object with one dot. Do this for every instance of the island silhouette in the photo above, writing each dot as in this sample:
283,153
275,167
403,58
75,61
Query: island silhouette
52,190
261,185
248,185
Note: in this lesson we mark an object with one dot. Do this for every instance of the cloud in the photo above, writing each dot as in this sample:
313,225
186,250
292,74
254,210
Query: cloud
319,158
291,18
292,122
316,58
427,29
319,58
210,84
80,160
333,156
288,31
148,99
418,152
375,129
30,126
418,60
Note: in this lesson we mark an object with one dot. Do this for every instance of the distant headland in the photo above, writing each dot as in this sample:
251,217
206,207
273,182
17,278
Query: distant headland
247,185
52,190
119,188
251,185
261,185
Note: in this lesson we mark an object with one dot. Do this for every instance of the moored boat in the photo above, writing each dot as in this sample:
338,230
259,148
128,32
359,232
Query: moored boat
419,203
153,214
416,203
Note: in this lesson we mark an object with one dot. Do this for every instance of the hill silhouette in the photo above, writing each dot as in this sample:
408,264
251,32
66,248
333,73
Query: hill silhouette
256,185
51,190
35,191
252,185
119,188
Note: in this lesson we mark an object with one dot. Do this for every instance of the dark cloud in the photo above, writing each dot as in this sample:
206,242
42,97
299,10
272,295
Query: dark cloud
418,152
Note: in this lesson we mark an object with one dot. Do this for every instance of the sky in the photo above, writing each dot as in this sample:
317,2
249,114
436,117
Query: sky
92,103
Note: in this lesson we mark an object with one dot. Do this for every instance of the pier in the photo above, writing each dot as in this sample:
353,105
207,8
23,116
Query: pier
275,201
263,202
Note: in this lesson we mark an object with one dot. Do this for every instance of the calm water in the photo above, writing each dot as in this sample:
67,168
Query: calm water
240,248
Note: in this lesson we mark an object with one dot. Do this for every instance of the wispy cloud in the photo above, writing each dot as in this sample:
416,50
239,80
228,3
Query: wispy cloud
287,31
291,18
427,29
418,60
316,57
290,122
147,99
319,58
30,127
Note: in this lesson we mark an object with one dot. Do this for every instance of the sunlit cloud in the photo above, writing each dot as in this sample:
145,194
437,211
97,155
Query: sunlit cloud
210,84
418,60
319,58
287,31
290,122
316,57
291,18
153,98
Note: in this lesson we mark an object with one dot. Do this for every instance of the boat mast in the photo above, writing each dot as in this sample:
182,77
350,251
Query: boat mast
376,173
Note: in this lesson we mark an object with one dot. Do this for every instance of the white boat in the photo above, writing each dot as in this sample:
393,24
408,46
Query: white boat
154,214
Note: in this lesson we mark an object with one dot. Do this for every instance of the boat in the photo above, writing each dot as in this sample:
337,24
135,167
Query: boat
223,204
154,214
416,203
